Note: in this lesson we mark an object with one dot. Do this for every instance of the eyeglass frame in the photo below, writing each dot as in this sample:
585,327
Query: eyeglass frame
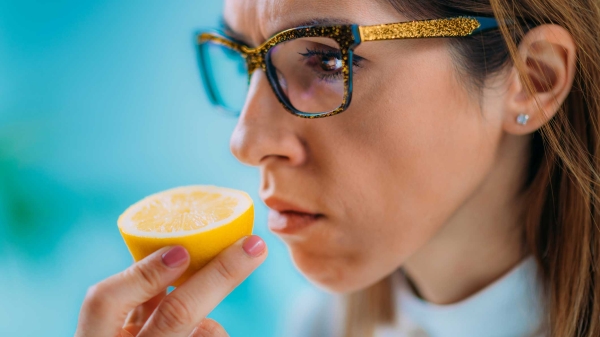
348,38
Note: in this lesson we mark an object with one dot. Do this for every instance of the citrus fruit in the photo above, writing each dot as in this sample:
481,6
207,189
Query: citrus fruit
203,219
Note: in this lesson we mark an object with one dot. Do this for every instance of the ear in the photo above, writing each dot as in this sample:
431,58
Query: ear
548,54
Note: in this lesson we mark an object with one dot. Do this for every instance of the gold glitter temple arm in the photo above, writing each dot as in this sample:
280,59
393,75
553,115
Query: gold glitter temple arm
450,27
347,37
203,37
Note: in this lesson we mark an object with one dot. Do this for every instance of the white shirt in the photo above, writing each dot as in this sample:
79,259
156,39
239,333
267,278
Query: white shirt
511,306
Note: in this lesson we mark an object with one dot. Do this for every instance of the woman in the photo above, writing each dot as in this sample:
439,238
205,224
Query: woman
442,175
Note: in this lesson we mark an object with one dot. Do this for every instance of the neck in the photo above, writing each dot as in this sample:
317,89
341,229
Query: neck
482,240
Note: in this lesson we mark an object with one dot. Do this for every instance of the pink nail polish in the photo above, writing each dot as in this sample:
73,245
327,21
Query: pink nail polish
254,245
175,257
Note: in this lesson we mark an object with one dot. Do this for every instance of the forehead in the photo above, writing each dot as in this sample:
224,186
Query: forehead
257,20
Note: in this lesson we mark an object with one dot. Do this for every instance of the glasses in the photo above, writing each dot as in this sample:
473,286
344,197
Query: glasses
309,68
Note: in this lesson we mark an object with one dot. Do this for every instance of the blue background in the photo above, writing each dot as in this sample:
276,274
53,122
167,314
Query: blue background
101,104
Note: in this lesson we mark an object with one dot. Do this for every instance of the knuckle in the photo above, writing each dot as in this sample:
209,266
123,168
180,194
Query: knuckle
146,276
209,328
225,272
173,315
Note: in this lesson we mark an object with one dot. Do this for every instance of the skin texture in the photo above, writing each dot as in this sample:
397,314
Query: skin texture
419,172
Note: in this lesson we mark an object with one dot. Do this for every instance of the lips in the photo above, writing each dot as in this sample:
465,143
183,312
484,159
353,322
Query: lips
287,218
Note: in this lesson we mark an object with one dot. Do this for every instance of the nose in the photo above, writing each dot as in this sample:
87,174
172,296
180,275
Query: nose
265,129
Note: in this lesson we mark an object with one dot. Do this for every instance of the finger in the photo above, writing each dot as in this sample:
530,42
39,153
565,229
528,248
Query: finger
184,308
125,333
107,303
209,328
138,316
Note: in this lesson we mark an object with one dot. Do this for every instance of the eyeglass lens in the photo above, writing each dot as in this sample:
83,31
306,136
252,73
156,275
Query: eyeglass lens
308,71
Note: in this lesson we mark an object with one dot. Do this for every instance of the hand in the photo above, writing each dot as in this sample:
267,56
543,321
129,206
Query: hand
135,303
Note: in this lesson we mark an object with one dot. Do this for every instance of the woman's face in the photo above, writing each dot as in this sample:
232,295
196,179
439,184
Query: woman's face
384,176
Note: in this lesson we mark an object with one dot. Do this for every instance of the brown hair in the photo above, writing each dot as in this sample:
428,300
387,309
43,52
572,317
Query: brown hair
561,228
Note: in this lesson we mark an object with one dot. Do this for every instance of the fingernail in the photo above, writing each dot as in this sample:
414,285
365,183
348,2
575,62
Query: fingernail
254,245
175,257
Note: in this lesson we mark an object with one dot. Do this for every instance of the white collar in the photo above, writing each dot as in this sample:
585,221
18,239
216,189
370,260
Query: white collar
510,306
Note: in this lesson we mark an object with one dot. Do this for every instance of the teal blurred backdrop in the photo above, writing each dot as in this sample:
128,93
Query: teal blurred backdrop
101,104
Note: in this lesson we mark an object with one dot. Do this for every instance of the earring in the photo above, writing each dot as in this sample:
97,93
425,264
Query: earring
522,119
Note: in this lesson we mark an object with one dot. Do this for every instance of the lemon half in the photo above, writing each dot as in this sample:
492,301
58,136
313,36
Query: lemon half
204,219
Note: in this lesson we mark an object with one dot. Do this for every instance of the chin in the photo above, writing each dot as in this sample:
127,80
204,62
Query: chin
331,274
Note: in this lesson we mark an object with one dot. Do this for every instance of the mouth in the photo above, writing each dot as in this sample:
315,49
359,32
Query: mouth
290,222
286,218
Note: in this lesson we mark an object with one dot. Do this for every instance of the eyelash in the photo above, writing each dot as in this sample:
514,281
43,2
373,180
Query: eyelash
330,54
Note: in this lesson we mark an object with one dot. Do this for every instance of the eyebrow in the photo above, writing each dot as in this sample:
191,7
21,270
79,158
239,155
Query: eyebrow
311,22
324,21
232,33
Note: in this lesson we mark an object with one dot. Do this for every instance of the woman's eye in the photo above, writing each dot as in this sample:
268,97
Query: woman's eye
331,64
324,61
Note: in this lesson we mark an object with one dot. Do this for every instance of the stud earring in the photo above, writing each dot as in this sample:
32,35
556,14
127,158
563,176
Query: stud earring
522,119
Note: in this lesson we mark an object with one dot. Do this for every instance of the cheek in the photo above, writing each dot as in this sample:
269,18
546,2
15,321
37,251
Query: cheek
407,157
427,144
